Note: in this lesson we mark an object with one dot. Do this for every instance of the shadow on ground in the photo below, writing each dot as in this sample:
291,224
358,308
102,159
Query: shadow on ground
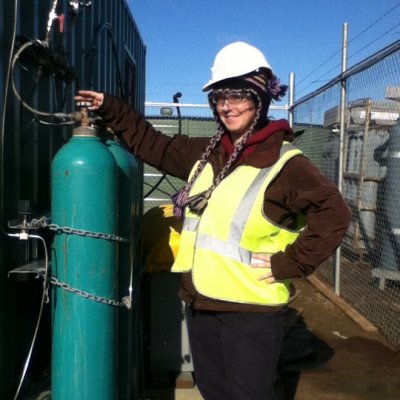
301,350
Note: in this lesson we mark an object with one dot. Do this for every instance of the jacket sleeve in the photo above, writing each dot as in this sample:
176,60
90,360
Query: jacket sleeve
174,155
307,192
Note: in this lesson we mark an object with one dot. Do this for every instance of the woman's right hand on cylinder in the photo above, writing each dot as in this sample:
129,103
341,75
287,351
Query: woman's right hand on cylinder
94,98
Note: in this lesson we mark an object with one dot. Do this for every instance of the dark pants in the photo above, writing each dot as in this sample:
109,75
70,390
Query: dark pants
235,355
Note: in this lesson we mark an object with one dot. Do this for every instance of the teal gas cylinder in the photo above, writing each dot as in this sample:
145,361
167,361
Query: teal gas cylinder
84,197
128,366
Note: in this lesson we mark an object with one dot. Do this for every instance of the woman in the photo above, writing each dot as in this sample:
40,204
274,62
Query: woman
256,213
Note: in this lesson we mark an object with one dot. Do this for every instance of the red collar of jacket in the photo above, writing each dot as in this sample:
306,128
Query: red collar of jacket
263,147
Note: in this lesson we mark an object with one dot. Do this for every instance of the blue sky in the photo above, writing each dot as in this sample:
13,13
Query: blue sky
299,36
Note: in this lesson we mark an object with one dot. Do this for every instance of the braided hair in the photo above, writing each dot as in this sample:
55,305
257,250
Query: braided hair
263,89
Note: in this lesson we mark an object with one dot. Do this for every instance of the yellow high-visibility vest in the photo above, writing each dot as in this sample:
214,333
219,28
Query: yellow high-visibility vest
217,245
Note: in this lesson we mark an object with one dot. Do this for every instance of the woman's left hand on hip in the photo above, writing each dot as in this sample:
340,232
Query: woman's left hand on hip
263,261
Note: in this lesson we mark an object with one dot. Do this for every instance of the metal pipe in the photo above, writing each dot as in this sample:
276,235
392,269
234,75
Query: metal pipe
176,98
341,144
193,105
291,99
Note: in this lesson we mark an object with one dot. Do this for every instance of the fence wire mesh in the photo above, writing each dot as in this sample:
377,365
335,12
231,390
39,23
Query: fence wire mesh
369,275
369,265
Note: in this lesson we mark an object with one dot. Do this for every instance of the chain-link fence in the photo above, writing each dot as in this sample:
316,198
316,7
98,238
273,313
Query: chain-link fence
367,275
368,171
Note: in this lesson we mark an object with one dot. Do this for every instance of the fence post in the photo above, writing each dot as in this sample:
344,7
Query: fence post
291,99
341,144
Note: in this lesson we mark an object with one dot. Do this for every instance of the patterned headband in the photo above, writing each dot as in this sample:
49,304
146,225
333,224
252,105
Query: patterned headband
271,86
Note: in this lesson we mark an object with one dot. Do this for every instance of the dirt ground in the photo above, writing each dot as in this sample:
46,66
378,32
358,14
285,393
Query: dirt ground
326,356
343,360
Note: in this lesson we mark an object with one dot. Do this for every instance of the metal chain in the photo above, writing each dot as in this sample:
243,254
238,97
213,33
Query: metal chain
126,301
43,223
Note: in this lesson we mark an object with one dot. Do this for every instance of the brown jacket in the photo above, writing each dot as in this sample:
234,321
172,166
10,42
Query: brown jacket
300,188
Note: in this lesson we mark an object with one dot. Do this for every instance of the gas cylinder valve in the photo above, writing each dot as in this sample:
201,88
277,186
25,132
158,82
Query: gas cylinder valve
84,113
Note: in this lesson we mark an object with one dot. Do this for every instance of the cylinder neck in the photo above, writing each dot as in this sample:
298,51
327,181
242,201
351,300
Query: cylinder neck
83,130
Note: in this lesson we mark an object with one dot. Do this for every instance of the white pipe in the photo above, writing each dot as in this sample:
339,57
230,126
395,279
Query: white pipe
291,100
192,105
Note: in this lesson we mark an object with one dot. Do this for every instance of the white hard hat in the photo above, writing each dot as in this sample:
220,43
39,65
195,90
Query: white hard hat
236,59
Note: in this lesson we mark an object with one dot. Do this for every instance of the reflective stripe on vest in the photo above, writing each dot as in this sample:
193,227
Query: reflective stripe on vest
222,250
231,247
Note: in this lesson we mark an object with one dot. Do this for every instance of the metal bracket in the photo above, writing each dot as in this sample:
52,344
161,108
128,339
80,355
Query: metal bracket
35,269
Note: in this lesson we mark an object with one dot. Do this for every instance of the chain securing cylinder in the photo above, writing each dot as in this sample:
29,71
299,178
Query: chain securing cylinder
45,222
